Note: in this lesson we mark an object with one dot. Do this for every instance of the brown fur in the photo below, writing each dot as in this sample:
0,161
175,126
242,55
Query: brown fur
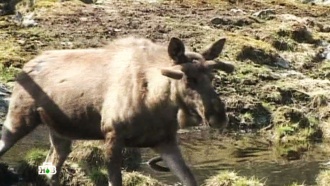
132,93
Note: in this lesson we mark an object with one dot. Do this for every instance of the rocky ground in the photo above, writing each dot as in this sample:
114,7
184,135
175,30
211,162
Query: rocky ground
281,50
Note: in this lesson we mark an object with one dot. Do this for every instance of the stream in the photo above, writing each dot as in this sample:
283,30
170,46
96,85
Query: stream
208,152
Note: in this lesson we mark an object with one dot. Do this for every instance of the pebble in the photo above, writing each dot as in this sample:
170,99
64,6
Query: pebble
264,14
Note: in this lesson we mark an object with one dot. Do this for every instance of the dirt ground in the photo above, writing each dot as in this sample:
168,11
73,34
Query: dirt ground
281,50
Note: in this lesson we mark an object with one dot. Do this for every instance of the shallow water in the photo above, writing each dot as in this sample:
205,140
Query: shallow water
249,157
207,153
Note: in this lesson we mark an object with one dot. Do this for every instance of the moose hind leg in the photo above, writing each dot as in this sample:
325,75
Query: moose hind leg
59,150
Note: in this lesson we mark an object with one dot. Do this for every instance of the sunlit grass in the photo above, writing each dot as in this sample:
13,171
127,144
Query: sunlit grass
230,178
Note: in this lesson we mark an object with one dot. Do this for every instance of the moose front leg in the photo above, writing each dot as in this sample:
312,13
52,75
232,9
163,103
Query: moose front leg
113,149
172,156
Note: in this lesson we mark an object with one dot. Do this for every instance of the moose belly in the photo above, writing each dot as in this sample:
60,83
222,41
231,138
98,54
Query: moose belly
149,132
73,124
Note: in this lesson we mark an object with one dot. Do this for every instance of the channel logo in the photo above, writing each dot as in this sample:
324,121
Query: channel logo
46,168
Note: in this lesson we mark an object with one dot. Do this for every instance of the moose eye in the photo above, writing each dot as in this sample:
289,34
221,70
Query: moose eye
192,81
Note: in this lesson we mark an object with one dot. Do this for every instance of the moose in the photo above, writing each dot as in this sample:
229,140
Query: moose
132,92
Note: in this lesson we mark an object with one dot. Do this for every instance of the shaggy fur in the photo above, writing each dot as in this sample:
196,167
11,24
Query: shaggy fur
132,93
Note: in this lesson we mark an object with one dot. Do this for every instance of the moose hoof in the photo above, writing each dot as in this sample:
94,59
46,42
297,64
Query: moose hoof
153,164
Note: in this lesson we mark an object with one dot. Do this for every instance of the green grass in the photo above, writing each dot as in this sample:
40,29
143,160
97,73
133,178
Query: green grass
36,156
230,178
98,176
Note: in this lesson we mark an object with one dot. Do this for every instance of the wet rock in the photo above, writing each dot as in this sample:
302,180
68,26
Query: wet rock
265,14
232,20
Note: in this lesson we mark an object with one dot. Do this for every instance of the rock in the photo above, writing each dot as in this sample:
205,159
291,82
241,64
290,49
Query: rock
281,62
25,21
218,20
264,14
261,56
232,20
7,177
28,20
301,34
293,74
292,18
269,76
318,2
238,11
298,32
323,53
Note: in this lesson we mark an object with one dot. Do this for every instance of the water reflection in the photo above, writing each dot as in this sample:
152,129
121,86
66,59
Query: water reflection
252,157
208,152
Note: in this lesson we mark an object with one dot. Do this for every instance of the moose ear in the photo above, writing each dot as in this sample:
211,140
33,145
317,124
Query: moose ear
176,50
214,50
171,73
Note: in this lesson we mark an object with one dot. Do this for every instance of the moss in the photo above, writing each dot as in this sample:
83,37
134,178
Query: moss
229,178
284,44
98,176
257,51
8,74
19,45
45,4
293,132
270,93
290,120
91,154
36,157
9,51
28,168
